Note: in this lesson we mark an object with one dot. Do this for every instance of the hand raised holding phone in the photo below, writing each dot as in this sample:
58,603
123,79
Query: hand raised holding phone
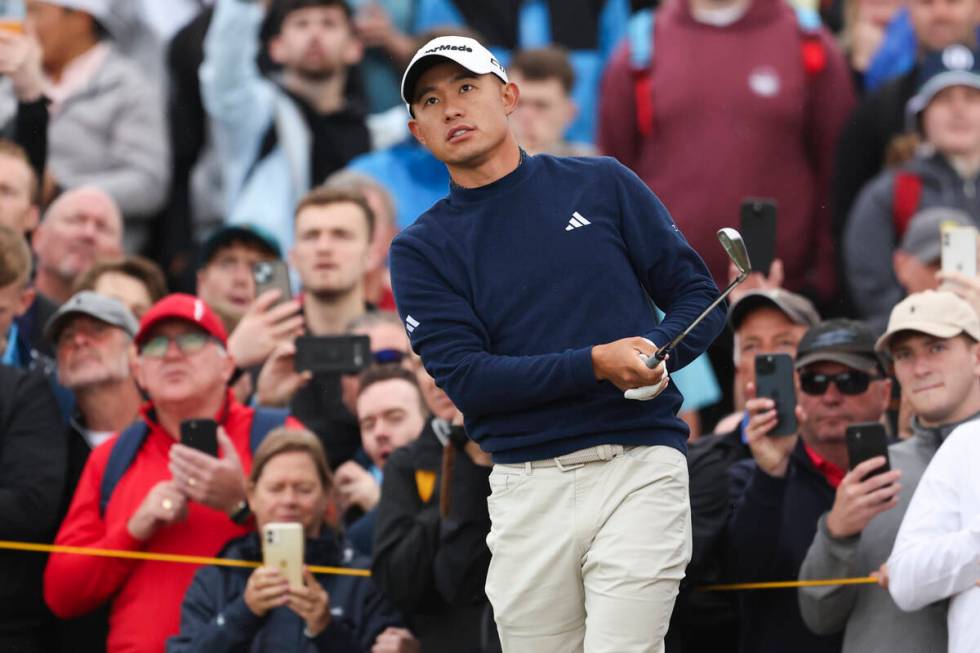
861,496
771,454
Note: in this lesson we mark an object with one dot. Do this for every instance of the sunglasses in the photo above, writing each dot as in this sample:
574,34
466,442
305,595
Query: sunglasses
383,356
848,383
187,343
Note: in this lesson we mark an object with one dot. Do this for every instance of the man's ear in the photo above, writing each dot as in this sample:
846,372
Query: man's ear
26,299
276,49
510,94
413,126
32,220
354,50
900,265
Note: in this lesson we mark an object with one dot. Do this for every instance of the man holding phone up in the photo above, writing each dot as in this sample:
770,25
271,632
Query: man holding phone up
780,495
527,294
170,498
933,339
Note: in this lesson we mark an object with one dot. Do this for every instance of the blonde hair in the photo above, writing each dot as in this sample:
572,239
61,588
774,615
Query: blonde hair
287,440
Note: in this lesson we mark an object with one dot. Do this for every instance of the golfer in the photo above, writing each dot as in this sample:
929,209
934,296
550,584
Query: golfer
527,292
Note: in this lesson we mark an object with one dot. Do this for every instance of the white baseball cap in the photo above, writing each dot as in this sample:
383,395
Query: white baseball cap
97,9
465,51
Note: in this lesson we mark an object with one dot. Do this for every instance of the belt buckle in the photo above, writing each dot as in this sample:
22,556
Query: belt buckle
567,468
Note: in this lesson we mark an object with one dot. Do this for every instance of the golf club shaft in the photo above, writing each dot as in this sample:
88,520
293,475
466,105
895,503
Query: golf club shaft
661,354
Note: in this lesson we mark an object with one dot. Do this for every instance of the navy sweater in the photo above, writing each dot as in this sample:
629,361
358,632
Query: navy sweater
505,289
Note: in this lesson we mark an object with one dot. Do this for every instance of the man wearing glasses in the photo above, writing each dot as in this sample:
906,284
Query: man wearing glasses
170,498
933,339
780,494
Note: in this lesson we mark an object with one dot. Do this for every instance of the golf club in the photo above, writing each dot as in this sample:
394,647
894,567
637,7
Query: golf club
734,246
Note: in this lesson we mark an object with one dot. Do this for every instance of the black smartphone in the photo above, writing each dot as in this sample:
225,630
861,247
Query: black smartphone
758,222
333,354
200,434
272,274
864,442
774,379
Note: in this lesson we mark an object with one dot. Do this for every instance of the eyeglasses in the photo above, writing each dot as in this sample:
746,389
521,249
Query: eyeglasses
848,383
188,343
384,356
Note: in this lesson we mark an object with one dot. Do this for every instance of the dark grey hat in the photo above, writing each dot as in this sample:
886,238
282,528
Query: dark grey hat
107,309
847,342
797,308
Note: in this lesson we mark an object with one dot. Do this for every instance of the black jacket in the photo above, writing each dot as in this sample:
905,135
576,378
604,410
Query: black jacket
214,617
708,621
770,530
435,570
33,460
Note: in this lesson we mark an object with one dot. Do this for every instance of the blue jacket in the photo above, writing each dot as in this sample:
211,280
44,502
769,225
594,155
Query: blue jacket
214,617
505,289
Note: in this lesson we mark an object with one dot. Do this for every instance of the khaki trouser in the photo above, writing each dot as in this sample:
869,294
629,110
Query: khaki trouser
589,558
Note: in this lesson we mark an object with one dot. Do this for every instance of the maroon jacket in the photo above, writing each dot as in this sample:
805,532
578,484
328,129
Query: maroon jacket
736,115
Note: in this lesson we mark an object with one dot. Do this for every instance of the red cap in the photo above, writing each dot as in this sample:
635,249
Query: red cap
180,306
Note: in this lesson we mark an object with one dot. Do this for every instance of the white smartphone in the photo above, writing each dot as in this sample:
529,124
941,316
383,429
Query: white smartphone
282,547
959,250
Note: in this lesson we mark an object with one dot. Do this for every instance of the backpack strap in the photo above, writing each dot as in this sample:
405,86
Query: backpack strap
906,195
640,35
123,452
812,49
263,421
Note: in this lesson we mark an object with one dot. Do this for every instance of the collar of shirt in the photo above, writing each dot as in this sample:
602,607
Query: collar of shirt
10,356
830,471
75,76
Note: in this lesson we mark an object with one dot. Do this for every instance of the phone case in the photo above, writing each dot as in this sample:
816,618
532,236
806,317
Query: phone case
758,226
333,354
959,250
272,274
865,441
282,547
774,379
200,434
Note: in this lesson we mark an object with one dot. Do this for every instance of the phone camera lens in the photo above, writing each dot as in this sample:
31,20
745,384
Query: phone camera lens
263,272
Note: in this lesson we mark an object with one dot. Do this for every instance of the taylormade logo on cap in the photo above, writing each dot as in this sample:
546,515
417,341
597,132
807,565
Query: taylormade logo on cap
443,48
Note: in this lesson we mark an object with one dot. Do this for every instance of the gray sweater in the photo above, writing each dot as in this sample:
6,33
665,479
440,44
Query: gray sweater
871,621
869,236
111,134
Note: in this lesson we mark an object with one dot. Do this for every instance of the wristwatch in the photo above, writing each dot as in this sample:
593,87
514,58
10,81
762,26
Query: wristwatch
241,513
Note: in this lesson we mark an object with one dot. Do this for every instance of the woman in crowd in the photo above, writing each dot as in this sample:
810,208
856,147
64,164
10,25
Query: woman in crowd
236,609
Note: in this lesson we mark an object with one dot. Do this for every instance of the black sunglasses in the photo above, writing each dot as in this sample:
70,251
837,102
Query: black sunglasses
384,356
848,383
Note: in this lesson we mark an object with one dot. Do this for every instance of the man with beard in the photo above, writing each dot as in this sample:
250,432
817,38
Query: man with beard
277,139
80,227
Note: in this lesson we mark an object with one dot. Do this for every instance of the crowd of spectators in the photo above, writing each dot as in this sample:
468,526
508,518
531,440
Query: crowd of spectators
152,154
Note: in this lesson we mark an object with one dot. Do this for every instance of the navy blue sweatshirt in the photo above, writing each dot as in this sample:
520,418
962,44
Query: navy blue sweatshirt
506,288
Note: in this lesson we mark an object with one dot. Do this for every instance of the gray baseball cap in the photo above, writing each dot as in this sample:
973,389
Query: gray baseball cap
797,308
922,237
107,309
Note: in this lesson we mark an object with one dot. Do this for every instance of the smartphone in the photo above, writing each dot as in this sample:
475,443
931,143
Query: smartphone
959,249
12,13
282,547
200,434
272,274
774,378
333,354
865,441
758,222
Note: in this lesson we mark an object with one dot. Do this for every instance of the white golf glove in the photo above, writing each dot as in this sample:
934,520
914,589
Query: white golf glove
648,392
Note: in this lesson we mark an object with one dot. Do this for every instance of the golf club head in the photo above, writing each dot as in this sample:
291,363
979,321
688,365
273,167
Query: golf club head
734,246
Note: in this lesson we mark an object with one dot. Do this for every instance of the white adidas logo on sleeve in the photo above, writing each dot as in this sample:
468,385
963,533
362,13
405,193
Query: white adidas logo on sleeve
410,324
577,222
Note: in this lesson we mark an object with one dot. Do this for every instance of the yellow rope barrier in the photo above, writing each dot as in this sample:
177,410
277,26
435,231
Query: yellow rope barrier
730,587
342,571
165,557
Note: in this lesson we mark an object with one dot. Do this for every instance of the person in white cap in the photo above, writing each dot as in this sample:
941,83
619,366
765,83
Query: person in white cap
526,292
107,126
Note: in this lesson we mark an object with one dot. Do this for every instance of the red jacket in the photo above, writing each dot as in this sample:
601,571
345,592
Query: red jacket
146,596
736,115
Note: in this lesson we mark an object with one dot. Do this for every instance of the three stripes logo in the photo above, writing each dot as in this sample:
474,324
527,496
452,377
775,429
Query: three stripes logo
410,324
577,222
